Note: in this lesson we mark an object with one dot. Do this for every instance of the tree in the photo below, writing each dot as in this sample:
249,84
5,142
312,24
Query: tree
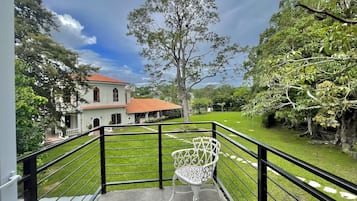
241,97
306,65
232,97
29,130
175,38
143,92
168,92
206,92
223,97
349,8
55,68
199,103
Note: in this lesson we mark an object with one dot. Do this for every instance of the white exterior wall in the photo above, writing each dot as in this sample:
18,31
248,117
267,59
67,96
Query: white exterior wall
87,116
104,116
105,93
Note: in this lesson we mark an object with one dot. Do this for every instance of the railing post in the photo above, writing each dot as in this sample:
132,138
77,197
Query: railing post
214,135
160,155
262,174
102,161
30,184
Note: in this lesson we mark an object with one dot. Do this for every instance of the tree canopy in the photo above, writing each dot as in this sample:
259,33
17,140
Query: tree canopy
175,39
305,67
28,114
53,69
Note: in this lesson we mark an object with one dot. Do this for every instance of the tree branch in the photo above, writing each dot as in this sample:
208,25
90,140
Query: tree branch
200,80
340,19
287,96
326,59
312,96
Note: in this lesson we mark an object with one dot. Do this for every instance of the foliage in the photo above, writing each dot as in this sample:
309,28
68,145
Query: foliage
225,97
206,92
241,96
166,92
31,18
143,92
29,130
307,65
175,39
199,103
55,69
268,120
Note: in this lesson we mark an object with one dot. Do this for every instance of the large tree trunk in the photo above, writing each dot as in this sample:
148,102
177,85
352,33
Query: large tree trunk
310,129
182,93
186,108
346,133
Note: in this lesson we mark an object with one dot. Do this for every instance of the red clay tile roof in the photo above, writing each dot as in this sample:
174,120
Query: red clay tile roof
94,107
102,78
149,105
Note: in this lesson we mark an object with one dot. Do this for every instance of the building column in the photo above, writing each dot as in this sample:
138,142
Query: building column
7,102
146,116
79,122
158,114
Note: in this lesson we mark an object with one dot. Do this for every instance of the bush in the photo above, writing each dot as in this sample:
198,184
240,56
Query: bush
268,120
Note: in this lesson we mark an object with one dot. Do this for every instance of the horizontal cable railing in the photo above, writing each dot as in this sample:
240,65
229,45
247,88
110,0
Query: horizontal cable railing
139,156
67,169
275,172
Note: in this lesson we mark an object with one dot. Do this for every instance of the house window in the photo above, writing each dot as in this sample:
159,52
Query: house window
96,95
116,118
115,95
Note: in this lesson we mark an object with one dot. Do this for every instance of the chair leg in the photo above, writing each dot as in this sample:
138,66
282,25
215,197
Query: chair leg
173,187
196,192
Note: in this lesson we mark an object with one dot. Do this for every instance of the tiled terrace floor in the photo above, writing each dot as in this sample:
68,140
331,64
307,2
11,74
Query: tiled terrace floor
155,194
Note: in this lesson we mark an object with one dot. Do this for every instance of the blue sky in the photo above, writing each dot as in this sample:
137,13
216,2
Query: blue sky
96,29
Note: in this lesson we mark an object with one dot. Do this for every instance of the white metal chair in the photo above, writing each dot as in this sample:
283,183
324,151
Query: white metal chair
195,166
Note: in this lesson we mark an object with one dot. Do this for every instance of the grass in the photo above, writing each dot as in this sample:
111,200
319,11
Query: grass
326,157
134,157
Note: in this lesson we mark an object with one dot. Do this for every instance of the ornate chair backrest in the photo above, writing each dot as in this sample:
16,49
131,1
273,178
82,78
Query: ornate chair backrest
206,148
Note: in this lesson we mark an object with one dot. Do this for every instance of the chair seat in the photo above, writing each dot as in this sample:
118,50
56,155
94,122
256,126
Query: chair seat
195,166
191,174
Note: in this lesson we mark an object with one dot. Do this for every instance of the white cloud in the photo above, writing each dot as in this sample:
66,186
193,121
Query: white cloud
106,19
109,68
70,32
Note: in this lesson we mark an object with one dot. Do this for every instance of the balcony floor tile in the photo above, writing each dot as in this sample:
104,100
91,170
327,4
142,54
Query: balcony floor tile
155,194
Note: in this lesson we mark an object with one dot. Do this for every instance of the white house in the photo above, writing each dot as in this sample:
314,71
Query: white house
109,101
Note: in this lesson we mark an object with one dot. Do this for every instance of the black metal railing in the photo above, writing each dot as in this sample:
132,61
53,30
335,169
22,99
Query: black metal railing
139,156
274,172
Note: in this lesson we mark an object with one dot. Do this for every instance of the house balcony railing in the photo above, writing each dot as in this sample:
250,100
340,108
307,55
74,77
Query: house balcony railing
69,132
138,156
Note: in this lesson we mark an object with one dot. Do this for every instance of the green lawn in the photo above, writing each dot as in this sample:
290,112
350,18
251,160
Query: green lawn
326,157
134,157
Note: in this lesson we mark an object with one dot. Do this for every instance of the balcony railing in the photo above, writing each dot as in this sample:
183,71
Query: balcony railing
138,156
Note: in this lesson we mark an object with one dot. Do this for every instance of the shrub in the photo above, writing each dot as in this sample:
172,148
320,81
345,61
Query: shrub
268,120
